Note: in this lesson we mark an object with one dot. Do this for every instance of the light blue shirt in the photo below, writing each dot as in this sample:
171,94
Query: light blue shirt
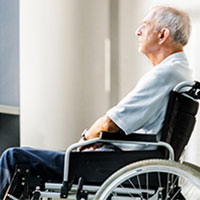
143,109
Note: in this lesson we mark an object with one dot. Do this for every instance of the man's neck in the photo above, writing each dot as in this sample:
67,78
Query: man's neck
157,57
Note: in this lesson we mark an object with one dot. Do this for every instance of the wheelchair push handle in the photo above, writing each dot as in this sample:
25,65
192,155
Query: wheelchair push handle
194,92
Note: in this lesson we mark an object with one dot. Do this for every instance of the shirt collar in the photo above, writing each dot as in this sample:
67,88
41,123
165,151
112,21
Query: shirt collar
175,56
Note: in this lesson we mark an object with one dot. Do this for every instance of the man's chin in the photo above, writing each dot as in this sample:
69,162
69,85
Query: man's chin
140,49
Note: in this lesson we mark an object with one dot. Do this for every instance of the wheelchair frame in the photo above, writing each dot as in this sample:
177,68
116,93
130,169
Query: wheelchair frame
61,190
93,188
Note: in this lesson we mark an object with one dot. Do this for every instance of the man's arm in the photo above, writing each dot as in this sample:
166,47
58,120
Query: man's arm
102,124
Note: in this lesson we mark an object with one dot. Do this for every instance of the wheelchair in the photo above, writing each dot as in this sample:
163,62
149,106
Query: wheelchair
156,174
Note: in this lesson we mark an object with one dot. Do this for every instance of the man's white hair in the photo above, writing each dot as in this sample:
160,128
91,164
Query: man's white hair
177,21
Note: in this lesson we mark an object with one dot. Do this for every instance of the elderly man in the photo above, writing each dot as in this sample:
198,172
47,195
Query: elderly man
162,37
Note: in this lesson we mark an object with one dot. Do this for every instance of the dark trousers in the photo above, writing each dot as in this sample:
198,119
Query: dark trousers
49,164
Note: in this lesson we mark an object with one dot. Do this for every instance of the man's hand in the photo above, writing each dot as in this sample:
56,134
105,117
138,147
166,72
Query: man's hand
102,124
90,147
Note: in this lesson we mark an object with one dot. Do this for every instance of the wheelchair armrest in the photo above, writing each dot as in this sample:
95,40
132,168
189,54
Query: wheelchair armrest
131,137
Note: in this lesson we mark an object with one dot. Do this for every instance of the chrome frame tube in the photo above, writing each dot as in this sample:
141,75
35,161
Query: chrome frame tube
182,85
91,188
69,150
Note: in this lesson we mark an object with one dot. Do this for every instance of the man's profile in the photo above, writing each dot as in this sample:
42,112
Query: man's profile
162,37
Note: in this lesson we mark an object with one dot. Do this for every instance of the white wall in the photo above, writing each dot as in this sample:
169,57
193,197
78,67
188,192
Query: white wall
132,63
61,69
193,49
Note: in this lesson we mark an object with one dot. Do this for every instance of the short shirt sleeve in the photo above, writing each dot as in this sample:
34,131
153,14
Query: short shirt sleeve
141,105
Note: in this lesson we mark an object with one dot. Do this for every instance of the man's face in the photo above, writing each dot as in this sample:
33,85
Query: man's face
148,36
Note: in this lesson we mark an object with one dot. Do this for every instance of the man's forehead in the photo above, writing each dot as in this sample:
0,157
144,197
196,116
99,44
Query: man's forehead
150,16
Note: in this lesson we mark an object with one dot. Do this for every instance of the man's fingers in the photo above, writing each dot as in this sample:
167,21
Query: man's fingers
83,148
91,147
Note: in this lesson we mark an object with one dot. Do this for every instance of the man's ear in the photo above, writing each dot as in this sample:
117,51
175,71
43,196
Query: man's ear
163,35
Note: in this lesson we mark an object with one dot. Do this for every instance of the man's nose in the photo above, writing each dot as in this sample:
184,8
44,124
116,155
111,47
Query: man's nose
138,32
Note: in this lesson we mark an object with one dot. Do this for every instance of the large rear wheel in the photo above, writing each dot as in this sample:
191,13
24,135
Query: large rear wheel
152,180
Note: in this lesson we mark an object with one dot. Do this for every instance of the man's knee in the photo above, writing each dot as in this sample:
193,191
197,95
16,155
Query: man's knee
10,152
11,155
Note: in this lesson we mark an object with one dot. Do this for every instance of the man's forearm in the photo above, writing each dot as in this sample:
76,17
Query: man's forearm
102,124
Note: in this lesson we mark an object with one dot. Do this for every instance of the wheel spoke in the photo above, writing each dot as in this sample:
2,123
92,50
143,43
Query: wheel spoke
167,186
176,193
172,186
159,182
139,184
147,184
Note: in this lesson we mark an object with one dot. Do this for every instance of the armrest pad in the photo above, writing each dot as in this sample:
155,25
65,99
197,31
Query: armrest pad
131,137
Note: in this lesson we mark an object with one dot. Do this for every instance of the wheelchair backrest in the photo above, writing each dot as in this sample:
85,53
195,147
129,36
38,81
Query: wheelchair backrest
180,119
